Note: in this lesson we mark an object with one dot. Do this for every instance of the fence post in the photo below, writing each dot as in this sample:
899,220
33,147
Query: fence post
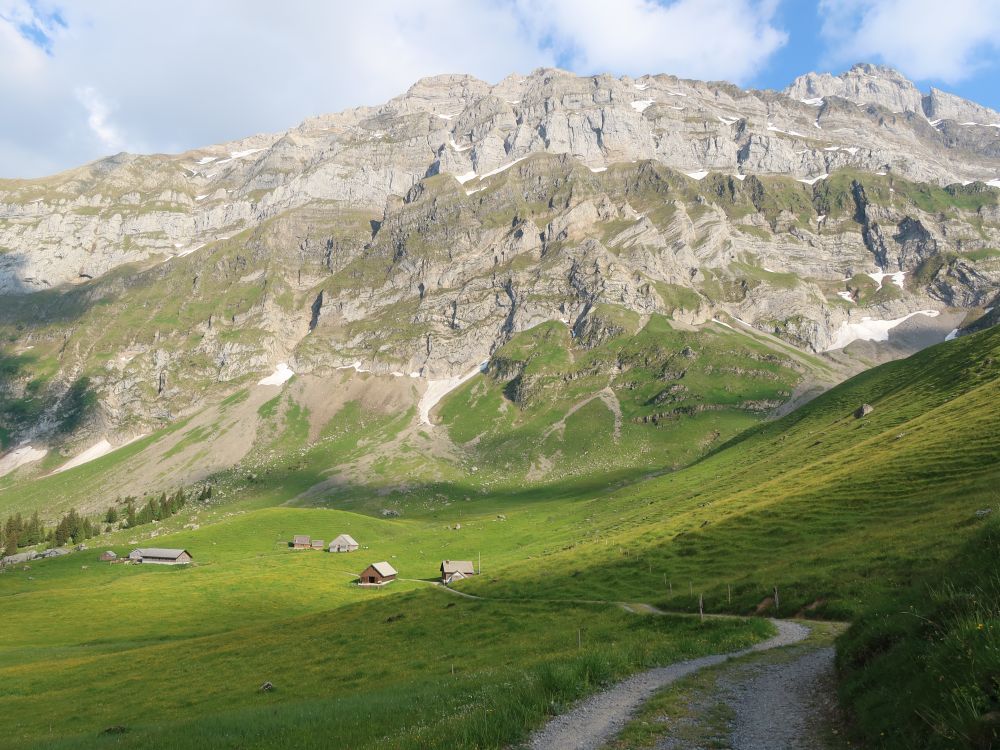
701,606
777,601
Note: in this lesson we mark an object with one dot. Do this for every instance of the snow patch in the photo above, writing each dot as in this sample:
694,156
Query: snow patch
19,457
281,374
505,167
598,169
815,102
241,154
716,320
642,105
206,160
728,120
897,278
740,177
438,389
356,366
846,296
871,330
699,175
641,86
676,93
460,149
993,183
201,197
952,336
95,451
813,180
795,133
464,178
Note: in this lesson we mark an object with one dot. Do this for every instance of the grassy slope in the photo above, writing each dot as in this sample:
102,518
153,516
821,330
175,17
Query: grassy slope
825,506
921,666
828,507
252,610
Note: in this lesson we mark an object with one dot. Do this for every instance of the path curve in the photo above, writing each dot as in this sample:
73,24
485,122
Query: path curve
597,719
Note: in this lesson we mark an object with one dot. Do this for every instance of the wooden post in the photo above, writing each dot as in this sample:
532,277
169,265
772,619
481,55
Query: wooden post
671,588
701,606
729,592
777,601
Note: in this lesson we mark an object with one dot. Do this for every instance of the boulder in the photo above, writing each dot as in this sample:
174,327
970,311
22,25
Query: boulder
863,411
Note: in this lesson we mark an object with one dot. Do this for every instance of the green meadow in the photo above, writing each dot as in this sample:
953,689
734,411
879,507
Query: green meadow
842,515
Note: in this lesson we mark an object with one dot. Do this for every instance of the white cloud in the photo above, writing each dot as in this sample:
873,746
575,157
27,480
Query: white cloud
925,39
173,76
98,115
708,39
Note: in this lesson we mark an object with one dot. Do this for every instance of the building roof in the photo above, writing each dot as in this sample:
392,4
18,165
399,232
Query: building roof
317,542
345,540
166,553
300,539
464,567
384,569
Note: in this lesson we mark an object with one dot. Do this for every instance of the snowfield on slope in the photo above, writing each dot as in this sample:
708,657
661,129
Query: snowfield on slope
282,373
19,457
98,449
870,330
438,389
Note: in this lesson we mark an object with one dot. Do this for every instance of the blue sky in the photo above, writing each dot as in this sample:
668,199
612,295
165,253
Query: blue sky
81,79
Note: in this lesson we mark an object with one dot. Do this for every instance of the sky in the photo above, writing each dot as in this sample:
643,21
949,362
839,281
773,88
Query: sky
82,79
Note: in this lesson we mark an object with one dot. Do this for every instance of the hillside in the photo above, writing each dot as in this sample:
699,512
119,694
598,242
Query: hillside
632,346
834,510
423,235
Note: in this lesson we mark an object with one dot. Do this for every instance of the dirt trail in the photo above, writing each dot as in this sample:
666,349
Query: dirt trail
610,400
599,718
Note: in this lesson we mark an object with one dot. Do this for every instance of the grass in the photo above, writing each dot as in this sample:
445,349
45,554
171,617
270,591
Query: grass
836,512
252,610
921,665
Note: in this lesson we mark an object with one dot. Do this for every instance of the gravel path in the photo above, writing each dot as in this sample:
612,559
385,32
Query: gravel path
599,718
774,706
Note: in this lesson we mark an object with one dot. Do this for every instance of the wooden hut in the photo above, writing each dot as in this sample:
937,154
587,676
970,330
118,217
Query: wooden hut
108,556
377,574
344,543
301,541
160,556
456,570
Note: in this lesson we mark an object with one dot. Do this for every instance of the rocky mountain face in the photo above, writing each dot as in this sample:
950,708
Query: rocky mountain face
417,237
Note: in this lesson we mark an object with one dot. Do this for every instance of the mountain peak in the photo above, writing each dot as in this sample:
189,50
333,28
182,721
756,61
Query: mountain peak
864,83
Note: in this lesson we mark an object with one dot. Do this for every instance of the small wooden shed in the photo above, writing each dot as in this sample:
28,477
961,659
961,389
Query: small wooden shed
456,570
301,541
377,574
318,544
344,543
108,556
160,556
